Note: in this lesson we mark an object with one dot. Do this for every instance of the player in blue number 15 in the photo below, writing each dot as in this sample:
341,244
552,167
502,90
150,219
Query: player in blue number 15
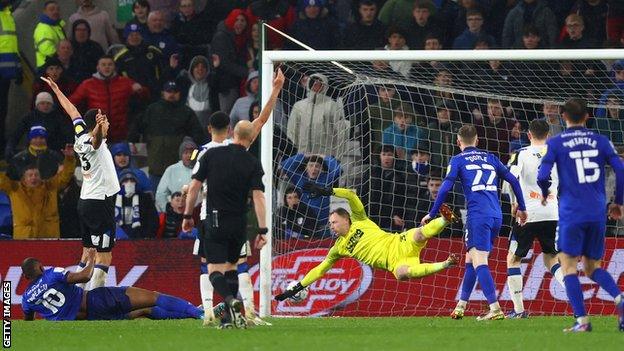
581,155
478,172
52,293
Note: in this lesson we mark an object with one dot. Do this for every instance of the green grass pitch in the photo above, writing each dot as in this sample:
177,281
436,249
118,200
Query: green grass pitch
320,334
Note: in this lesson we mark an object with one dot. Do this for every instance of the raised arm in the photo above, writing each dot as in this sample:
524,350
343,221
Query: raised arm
69,108
278,83
357,208
84,275
101,126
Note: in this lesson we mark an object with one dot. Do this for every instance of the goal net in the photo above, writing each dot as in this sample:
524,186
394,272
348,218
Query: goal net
384,124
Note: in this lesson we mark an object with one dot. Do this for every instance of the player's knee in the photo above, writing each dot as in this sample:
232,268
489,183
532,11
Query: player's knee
418,236
103,258
513,260
402,273
590,266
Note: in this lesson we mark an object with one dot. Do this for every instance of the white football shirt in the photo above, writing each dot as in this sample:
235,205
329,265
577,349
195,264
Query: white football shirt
97,166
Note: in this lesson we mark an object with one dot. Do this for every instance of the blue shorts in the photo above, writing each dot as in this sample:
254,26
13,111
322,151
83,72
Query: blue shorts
108,304
481,232
582,239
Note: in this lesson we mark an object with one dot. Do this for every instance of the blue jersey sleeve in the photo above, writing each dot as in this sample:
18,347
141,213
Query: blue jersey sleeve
452,172
543,173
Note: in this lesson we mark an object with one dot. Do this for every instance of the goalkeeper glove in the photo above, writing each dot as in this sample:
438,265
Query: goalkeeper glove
290,292
316,190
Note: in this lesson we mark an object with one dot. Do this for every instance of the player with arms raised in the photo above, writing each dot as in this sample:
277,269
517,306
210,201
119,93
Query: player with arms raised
362,239
478,172
580,155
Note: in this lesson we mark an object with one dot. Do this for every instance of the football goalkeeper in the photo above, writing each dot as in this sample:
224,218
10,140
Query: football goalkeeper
362,239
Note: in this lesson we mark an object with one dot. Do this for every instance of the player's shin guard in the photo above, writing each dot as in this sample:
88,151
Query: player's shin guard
177,305
98,279
575,295
514,281
557,272
246,289
81,266
433,228
487,284
605,280
221,286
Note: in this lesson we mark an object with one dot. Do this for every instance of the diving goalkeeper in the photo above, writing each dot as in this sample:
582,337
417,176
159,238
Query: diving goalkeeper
362,239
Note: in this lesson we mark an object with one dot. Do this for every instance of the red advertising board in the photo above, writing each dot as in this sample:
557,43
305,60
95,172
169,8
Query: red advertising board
349,289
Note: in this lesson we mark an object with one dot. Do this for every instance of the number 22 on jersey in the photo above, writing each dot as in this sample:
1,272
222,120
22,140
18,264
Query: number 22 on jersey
484,177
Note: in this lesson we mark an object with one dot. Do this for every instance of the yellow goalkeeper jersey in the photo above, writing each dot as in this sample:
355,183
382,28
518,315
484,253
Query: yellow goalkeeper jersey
365,242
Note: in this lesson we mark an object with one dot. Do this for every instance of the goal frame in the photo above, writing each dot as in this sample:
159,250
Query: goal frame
268,59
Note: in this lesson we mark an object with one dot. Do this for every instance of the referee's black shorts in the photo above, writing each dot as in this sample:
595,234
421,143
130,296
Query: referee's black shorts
97,223
224,236
544,231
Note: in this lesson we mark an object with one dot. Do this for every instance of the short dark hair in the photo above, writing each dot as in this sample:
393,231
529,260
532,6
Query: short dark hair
434,174
467,133
89,118
290,190
176,194
142,3
29,267
106,57
314,158
342,213
433,35
219,120
423,4
530,29
539,128
367,3
395,30
45,4
474,12
576,109
387,148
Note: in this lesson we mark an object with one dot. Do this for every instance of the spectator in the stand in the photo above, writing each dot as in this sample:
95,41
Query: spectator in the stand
102,31
86,51
474,32
10,66
296,219
400,12
380,114
531,38
37,153
158,35
427,70
141,62
198,85
170,221
615,20
576,38
230,44
395,41
517,139
278,14
420,168
494,130
135,213
594,13
64,53
58,127
253,48
613,125
457,24
316,124
163,126
140,9
552,115
443,97
111,93
48,32
240,110
53,69
402,135
192,30
34,201
367,32
325,171
383,191
442,134
122,157
176,175
315,27
530,12
617,88
421,24
428,197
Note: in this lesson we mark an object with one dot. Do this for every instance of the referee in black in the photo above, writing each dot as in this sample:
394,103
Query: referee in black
230,173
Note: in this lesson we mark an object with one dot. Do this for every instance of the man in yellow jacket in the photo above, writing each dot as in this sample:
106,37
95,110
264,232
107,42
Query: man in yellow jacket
34,201
48,32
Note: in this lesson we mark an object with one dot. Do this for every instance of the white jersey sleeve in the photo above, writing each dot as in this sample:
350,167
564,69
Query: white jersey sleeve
83,145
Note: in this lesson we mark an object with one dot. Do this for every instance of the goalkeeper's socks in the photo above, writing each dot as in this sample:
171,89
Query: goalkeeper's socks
221,286
81,266
514,281
557,272
205,288
487,282
605,280
231,277
575,294
433,228
174,304
425,269
470,278
98,279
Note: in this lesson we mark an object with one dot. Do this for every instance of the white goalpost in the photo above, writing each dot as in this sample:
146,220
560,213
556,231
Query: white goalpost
362,97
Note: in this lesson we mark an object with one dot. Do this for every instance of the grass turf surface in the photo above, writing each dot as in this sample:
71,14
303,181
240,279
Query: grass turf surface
320,334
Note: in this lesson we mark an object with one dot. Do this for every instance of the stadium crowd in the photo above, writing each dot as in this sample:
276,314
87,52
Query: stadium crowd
165,71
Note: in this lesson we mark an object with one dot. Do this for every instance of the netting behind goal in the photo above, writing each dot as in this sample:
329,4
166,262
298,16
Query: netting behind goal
387,130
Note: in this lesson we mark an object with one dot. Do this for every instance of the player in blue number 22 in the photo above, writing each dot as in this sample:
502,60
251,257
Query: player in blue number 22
52,293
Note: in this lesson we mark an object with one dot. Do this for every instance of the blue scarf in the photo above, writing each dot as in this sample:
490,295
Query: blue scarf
121,218
47,20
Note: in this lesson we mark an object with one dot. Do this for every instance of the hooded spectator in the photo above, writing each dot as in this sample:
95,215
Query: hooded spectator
315,27
240,110
278,14
122,157
199,87
86,51
176,175
103,32
135,213
36,153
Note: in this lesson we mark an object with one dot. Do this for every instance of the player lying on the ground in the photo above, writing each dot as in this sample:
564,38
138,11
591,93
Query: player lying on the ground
53,294
362,239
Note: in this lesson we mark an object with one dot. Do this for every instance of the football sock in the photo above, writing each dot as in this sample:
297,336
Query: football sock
470,278
557,272
81,266
425,269
575,294
514,281
433,228
221,286
487,283
98,279
205,289
231,277
605,280
245,287
174,304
